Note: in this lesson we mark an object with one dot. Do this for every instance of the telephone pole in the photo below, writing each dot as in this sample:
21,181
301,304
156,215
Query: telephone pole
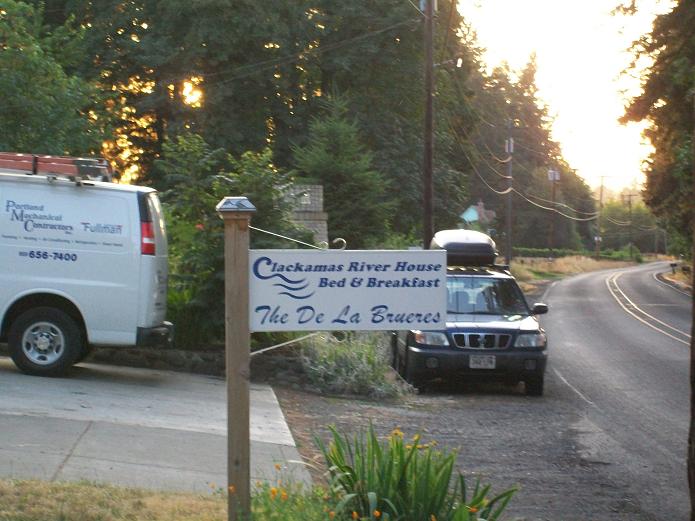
553,177
598,238
509,149
629,205
428,193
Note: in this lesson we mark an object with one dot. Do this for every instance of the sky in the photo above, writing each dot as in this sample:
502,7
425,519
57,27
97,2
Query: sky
581,51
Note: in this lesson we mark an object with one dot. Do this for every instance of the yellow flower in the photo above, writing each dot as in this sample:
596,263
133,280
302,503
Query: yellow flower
355,515
232,489
433,517
278,467
273,492
283,495
377,514
331,514
397,432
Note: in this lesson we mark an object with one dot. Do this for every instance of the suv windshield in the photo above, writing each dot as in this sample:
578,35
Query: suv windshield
484,296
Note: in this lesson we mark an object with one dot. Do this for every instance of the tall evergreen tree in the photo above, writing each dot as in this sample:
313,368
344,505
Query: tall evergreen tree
354,193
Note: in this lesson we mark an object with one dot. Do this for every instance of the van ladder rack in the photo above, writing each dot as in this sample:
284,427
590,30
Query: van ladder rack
77,169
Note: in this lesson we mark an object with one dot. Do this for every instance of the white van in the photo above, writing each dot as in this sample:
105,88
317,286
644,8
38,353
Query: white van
82,262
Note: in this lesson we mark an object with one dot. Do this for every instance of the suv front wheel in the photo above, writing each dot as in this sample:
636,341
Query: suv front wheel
534,386
45,341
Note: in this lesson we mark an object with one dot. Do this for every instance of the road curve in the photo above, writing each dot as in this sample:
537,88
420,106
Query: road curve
619,341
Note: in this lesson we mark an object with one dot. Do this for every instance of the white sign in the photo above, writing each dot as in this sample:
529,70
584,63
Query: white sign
553,175
304,290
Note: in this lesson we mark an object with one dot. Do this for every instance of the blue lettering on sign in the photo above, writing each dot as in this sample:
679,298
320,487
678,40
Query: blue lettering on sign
291,287
345,316
306,314
382,315
272,315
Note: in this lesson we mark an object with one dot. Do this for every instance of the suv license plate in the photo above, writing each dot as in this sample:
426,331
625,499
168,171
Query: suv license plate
481,361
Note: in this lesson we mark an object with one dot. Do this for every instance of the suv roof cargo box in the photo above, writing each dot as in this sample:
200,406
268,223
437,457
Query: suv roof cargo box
465,247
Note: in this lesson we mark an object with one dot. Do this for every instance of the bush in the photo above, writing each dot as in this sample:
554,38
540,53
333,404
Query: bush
546,253
356,365
395,480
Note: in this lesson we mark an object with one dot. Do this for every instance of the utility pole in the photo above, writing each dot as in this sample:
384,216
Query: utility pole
598,238
629,205
553,176
691,430
509,149
428,193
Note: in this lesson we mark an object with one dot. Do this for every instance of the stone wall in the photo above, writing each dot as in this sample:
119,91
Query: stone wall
308,211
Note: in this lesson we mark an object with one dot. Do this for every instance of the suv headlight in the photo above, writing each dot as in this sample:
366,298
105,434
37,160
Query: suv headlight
534,339
431,338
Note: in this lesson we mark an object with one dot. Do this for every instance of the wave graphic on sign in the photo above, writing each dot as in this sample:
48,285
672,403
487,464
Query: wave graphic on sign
293,287
292,291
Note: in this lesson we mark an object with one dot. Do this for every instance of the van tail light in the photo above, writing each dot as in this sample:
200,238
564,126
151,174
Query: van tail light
147,239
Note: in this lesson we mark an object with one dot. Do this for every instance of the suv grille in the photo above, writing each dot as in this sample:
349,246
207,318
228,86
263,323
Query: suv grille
482,340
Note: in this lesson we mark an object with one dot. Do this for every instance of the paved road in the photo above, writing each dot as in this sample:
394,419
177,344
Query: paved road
620,343
133,427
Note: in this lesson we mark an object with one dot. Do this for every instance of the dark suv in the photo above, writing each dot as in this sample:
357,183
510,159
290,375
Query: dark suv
491,334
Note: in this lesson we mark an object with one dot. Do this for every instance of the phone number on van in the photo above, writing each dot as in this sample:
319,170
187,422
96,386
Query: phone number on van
45,255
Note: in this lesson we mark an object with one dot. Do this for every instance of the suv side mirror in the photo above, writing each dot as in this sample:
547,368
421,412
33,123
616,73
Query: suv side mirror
539,308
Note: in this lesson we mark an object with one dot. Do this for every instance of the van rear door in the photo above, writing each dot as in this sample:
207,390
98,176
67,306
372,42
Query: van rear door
154,271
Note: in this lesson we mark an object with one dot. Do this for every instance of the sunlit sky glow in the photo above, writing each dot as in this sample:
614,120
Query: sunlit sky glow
581,50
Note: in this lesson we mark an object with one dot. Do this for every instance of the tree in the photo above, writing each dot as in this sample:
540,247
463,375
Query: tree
494,104
198,177
666,103
44,108
354,193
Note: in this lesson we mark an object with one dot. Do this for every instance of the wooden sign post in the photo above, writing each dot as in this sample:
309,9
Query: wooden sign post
236,213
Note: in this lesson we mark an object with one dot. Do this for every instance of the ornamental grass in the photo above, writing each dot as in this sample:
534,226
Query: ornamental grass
397,480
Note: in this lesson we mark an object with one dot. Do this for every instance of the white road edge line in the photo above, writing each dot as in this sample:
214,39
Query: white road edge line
579,393
615,283
669,285
638,318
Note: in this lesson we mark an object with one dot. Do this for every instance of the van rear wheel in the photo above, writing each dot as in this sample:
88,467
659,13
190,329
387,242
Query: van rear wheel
45,342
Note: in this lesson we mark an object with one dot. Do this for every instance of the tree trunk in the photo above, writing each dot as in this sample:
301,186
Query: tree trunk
691,441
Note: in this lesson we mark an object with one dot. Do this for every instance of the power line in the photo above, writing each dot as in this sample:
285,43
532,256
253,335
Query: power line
291,58
558,203
593,215
619,223
480,155
416,7
581,219
475,169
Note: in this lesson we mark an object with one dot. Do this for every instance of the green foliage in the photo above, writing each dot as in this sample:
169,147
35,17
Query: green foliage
356,365
547,253
286,501
197,178
667,102
622,254
404,481
354,193
44,109
620,225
